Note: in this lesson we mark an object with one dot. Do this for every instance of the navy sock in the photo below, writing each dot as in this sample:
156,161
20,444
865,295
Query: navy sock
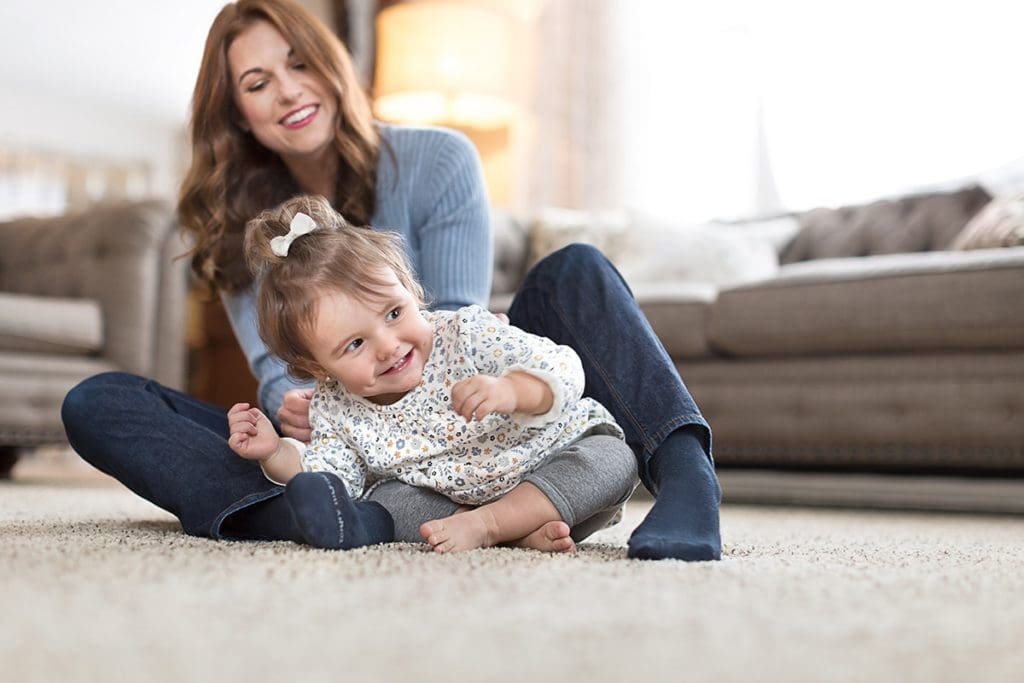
328,518
683,524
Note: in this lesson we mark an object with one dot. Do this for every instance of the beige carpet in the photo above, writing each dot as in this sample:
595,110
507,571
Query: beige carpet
98,585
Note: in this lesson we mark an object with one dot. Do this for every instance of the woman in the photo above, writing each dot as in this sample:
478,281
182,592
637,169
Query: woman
277,111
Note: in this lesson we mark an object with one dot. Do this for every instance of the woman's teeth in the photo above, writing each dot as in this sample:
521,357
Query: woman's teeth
299,115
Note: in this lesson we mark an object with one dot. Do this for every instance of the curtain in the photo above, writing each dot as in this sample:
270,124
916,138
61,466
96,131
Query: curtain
566,141
692,111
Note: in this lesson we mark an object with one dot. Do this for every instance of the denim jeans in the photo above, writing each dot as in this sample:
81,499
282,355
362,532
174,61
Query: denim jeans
576,297
164,445
172,449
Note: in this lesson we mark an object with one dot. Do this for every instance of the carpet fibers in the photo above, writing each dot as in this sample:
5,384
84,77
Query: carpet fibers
99,585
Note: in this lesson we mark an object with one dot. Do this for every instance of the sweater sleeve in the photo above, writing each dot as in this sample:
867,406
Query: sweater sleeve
497,349
452,225
268,369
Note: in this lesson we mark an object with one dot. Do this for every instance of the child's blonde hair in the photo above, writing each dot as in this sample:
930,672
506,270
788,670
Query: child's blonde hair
336,257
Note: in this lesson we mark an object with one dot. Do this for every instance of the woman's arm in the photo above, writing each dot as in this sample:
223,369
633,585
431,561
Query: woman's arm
437,197
268,369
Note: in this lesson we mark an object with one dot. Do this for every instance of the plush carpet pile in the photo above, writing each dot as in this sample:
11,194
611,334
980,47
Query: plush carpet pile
99,585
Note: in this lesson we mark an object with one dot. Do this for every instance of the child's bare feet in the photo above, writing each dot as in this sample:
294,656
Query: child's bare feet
474,528
553,537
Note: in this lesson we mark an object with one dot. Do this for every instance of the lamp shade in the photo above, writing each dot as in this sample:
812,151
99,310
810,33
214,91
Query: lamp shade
445,63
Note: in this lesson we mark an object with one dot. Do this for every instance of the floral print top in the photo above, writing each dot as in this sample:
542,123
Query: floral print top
421,440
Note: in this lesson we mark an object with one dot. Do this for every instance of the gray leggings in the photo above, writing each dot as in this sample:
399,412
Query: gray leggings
588,482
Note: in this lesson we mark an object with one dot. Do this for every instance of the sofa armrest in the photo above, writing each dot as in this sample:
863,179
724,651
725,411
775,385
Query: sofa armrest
122,256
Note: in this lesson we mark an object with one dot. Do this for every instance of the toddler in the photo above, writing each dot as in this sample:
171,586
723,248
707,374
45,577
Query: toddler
454,401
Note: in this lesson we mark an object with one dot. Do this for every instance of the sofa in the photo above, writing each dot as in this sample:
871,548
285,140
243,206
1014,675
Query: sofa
80,294
884,337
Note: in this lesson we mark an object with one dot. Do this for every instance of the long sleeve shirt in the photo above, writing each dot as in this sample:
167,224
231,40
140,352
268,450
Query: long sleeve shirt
422,441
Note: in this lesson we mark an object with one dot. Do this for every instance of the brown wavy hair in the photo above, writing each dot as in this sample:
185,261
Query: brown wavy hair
232,176
336,257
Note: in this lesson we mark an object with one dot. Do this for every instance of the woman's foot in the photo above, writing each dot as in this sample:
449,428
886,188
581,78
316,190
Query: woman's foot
683,524
553,537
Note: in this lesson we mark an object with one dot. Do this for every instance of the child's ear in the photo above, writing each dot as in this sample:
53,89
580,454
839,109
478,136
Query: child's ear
316,370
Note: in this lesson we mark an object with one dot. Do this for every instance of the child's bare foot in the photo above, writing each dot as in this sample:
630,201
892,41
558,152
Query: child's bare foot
467,530
553,537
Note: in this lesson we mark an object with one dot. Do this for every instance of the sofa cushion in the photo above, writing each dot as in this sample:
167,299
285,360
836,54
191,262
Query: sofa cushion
43,324
999,224
934,300
923,222
678,313
32,387
910,409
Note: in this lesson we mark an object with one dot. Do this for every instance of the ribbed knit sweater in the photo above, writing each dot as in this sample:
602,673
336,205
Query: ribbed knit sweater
431,191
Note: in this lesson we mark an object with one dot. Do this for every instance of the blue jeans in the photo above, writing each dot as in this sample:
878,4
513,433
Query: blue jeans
172,449
166,446
576,297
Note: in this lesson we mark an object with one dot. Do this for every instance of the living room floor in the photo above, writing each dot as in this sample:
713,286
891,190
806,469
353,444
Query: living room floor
101,585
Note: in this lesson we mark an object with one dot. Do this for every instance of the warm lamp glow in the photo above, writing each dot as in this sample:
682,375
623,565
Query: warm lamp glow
445,63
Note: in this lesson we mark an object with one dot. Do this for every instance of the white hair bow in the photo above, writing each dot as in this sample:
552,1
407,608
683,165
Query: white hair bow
301,225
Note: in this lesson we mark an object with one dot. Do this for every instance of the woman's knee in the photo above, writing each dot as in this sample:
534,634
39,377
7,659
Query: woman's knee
87,397
576,259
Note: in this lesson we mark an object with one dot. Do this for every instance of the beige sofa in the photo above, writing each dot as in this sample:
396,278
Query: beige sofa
80,294
871,345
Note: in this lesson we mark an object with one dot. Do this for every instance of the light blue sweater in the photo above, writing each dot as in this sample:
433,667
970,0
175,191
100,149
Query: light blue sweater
436,199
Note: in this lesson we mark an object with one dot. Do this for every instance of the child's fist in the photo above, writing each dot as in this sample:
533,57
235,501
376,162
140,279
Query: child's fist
478,396
252,435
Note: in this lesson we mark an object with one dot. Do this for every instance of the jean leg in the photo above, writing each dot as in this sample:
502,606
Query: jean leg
165,446
576,297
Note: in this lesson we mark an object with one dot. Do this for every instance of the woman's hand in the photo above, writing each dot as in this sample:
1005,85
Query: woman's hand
294,414
252,434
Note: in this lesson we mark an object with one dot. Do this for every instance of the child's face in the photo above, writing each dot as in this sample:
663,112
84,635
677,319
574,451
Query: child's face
375,348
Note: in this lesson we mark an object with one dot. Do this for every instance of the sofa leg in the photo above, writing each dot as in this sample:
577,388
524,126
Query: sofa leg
8,456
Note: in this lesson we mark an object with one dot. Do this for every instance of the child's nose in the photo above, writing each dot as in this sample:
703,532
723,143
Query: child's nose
387,349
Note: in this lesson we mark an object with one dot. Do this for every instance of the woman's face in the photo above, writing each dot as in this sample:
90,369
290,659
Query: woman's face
288,108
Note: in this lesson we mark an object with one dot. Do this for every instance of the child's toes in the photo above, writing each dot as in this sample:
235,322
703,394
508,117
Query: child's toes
563,545
434,532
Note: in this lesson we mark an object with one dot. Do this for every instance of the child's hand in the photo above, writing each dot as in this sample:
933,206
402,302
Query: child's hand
479,396
252,435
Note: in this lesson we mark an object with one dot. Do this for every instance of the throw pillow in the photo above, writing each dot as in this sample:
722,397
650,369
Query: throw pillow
554,228
999,224
710,253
